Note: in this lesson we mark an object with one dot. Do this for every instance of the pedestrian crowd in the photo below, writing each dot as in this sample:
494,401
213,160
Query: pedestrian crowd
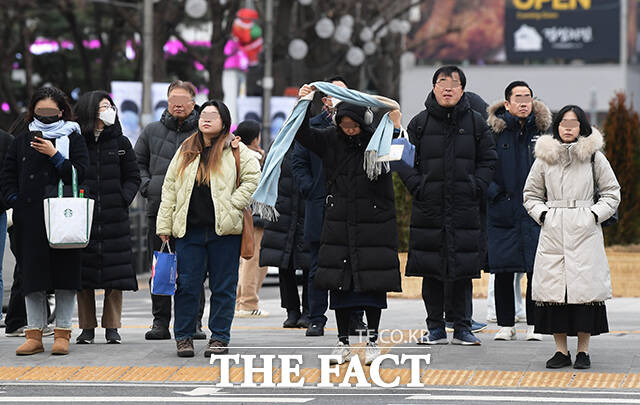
510,189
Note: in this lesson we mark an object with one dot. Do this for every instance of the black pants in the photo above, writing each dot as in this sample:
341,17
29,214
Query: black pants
16,312
289,297
344,319
451,297
161,304
318,299
505,302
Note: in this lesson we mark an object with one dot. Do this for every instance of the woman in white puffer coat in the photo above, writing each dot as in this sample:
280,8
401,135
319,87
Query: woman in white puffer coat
571,277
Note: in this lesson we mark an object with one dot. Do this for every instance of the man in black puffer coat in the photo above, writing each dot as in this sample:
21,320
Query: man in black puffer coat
283,247
155,148
455,161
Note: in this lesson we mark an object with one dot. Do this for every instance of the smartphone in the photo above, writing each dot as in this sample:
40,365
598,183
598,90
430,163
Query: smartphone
35,134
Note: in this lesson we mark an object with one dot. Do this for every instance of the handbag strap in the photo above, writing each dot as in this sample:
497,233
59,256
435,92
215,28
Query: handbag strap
74,184
166,244
236,156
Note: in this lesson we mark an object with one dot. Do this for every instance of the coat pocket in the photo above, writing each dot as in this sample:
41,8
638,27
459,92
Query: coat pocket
501,212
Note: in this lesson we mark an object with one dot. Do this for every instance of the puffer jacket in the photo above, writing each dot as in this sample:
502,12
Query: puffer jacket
512,234
228,201
155,148
570,259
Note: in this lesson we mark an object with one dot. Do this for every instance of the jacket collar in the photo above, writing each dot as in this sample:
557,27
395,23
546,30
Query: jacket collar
189,124
441,112
108,132
552,151
500,119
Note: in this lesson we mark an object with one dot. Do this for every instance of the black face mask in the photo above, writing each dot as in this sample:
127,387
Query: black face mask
46,119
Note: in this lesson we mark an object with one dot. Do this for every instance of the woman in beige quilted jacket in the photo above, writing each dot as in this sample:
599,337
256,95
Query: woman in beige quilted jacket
571,278
202,208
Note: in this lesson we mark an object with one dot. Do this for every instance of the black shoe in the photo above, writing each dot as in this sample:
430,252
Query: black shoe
185,347
315,329
158,333
583,361
86,337
112,336
357,327
199,335
292,319
216,347
303,321
559,360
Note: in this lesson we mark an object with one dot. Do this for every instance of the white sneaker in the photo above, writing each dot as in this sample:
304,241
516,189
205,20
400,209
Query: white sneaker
342,350
256,313
506,333
531,335
492,319
47,330
372,351
522,318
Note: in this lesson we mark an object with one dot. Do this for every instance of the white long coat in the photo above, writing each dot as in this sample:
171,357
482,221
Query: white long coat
570,258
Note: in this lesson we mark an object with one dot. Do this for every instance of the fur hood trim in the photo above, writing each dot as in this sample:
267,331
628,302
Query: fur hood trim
552,150
541,113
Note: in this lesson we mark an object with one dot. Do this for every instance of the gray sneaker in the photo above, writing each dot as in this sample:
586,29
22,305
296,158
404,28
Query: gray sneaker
16,333
47,330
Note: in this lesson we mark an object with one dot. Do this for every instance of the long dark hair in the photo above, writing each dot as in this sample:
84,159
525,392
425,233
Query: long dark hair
54,94
87,110
585,126
194,145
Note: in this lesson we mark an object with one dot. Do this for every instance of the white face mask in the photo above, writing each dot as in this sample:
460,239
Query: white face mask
108,116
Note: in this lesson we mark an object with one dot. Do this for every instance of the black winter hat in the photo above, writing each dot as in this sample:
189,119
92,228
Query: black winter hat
355,112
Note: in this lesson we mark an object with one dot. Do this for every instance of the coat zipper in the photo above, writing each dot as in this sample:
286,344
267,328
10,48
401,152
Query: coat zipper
99,204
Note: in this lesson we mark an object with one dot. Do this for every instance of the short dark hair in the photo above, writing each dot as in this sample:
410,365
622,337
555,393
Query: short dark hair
585,125
58,97
225,115
447,71
514,84
337,78
248,130
179,84
87,110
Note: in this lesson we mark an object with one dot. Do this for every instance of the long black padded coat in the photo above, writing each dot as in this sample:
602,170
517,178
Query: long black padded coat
283,240
359,241
31,177
455,162
113,179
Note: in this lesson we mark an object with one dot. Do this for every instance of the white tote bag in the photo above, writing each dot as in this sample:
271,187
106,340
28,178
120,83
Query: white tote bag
68,220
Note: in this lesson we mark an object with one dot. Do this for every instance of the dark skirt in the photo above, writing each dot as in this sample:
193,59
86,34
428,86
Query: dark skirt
571,318
352,299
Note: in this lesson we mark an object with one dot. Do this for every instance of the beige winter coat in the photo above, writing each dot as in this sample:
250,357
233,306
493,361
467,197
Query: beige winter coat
228,201
570,256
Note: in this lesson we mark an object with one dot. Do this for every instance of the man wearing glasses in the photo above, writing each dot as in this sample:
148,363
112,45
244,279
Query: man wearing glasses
154,149
516,123
454,163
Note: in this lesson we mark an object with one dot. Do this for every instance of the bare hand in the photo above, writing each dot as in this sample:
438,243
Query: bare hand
44,146
305,90
164,238
396,118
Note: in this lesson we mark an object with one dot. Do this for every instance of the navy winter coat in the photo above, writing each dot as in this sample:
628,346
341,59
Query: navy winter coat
512,233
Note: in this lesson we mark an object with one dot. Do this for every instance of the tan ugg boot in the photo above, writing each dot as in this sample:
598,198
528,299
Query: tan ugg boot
33,344
61,341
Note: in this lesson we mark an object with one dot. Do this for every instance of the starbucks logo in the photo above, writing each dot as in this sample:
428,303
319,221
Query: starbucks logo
68,213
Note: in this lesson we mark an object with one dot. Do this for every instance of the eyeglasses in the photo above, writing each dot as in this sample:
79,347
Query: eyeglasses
445,83
104,107
569,123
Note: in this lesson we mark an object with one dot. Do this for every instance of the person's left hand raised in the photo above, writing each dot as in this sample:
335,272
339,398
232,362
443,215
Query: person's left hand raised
43,146
396,118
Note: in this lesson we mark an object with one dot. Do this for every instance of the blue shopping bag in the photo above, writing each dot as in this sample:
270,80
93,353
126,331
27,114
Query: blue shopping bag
164,272
402,153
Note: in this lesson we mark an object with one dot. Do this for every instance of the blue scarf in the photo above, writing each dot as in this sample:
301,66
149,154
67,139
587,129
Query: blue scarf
59,130
265,197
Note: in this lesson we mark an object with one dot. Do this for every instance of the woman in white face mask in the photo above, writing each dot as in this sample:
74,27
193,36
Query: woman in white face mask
112,180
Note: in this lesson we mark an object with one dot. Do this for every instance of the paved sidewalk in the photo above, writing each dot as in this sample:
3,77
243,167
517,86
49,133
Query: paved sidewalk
615,356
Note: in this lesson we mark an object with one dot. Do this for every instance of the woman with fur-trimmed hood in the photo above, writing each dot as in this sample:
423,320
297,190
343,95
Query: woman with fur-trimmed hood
516,124
572,278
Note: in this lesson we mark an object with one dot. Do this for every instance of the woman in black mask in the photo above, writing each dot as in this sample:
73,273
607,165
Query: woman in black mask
36,160
113,179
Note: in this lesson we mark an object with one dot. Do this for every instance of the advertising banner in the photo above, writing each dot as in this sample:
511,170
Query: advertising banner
539,30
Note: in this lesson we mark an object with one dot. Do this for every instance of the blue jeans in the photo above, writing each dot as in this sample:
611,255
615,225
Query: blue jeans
199,252
37,305
3,239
